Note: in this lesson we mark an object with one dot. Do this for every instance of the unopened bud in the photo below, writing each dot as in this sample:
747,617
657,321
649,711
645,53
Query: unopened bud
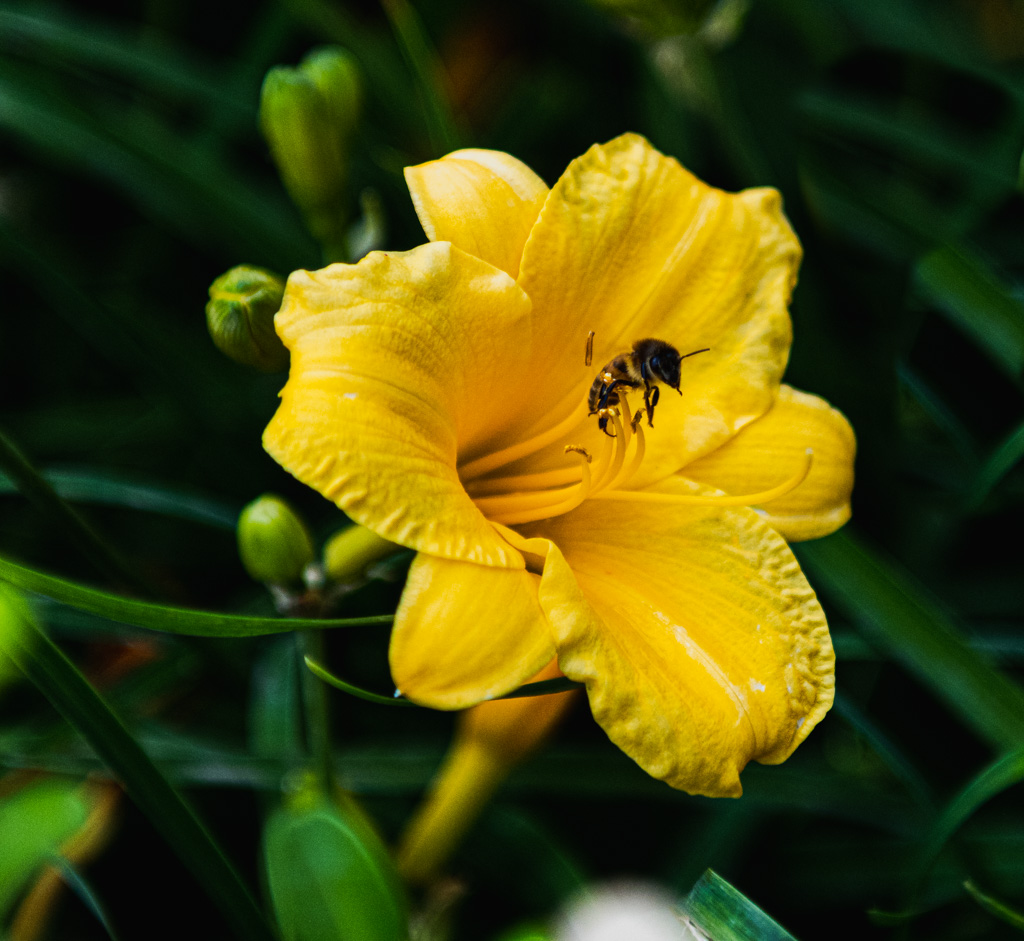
307,115
240,317
350,551
329,874
273,542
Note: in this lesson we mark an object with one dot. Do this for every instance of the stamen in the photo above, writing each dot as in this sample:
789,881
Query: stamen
693,499
521,512
610,470
539,481
626,474
496,459
498,506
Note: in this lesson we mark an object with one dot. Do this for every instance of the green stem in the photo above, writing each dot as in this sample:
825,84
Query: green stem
425,65
317,712
36,490
69,692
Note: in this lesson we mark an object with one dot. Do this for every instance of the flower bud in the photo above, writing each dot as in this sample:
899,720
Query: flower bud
350,551
329,874
273,542
240,317
307,115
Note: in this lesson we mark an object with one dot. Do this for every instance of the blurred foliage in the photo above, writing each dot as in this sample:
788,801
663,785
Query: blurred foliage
133,173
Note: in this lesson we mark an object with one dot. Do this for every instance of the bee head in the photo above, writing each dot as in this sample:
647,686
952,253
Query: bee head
665,366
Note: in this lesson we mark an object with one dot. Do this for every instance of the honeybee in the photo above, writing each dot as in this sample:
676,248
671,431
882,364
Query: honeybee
650,361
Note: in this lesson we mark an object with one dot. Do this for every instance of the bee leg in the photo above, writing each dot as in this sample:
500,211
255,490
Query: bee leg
602,423
609,391
651,396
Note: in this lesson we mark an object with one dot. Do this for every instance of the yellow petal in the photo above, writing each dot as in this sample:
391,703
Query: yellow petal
631,245
772,448
396,364
484,201
699,639
465,633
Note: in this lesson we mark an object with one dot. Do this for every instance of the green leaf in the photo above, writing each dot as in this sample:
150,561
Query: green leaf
993,906
424,63
59,40
897,615
34,823
38,491
69,692
159,617
108,488
540,688
330,878
971,296
1005,457
181,182
1001,774
724,913
77,883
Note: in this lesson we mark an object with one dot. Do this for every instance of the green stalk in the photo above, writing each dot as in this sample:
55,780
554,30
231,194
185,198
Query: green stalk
317,711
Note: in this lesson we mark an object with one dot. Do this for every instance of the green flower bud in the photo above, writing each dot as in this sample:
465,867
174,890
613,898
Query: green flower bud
240,317
273,542
307,115
330,875
349,552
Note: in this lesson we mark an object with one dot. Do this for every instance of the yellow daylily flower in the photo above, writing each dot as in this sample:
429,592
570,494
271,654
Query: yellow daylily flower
440,398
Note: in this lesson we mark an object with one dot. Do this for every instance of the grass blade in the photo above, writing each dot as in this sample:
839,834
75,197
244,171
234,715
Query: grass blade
159,617
423,61
968,293
35,489
1000,463
103,488
993,906
898,616
1001,774
540,688
60,681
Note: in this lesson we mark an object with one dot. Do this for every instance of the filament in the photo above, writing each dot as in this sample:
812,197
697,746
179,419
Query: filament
519,482
696,499
496,459
520,510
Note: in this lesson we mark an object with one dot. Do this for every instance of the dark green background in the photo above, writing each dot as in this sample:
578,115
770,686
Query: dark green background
132,174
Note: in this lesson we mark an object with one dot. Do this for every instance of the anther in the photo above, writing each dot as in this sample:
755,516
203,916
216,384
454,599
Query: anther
576,449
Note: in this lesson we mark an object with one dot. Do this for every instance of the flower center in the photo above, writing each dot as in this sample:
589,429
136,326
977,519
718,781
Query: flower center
526,498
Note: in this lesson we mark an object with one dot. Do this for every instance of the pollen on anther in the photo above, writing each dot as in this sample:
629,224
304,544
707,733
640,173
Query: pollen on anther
576,449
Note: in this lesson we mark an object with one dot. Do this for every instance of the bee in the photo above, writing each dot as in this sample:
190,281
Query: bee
650,361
